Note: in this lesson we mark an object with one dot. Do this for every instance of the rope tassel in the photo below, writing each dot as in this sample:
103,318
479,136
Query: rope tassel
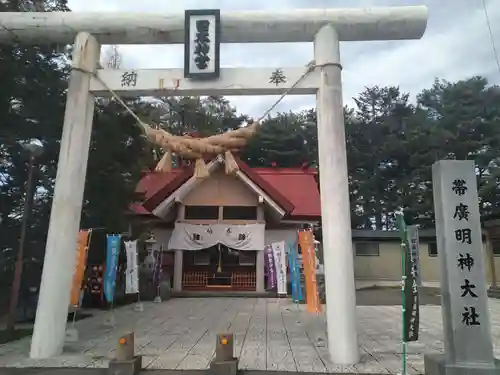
201,169
230,163
165,164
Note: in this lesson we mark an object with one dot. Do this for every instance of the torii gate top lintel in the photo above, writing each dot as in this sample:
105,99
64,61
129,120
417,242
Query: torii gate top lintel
287,26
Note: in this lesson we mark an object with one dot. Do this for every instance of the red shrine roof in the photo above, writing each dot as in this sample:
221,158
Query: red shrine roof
295,190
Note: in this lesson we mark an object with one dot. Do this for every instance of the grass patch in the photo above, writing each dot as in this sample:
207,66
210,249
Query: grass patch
17,334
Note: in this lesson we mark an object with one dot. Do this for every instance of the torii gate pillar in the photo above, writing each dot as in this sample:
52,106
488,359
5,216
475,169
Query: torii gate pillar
335,208
54,298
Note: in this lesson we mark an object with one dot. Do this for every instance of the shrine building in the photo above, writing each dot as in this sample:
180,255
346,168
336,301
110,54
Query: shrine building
212,231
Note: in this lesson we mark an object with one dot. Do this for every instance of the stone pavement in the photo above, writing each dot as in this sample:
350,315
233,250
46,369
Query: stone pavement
270,334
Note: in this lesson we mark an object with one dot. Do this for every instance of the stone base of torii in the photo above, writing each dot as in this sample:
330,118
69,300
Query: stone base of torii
324,27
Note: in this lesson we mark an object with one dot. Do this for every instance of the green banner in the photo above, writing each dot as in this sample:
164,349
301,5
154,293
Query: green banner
409,286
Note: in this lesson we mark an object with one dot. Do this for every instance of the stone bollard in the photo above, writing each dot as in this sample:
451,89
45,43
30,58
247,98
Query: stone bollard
125,362
224,362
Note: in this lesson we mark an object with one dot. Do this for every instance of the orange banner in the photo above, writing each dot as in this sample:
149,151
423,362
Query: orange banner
306,242
79,270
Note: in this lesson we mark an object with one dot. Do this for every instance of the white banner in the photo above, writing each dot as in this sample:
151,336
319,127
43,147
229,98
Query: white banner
197,237
132,272
279,256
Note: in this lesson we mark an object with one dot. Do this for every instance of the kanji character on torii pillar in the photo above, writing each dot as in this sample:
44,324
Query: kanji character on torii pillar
324,27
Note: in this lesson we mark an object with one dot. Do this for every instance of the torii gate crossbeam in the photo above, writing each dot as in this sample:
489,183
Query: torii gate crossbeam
324,27
285,26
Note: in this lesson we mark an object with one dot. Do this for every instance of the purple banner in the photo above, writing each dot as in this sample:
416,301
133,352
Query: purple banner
271,268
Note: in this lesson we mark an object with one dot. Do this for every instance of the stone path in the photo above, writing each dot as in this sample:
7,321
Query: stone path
270,334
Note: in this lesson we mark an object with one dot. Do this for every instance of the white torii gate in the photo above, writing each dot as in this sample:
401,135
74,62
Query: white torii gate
324,27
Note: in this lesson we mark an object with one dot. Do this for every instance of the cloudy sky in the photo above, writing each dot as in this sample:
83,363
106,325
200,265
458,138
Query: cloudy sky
456,45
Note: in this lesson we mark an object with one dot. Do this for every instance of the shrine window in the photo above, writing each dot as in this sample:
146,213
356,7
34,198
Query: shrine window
239,213
201,212
433,249
366,249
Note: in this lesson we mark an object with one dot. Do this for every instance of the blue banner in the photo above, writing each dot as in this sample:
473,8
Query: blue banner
291,267
112,252
297,294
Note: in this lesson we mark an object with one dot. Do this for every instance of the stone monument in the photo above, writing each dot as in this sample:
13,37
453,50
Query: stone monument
466,323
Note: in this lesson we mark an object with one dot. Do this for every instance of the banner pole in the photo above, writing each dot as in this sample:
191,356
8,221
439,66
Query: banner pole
110,311
138,283
291,264
157,274
138,306
402,232
113,298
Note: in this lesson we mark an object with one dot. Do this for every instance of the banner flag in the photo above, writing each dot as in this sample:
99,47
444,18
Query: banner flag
297,294
298,274
279,256
112,253
132,273
80,264
306,241
271,269
291,266
411,318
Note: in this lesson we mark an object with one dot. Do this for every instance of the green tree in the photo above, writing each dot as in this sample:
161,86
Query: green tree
392,145
118,155
378,163
31,106
281,139
462,123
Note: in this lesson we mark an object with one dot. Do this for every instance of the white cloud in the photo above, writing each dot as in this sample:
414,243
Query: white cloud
456,45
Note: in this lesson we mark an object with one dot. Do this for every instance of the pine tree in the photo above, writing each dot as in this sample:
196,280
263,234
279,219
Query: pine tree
281,140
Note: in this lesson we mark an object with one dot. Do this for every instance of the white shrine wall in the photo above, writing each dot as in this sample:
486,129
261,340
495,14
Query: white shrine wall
162,236
277,235
221,189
